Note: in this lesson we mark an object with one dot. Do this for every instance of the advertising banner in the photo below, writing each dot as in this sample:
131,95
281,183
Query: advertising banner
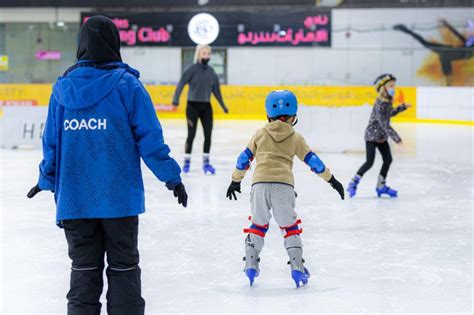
311,27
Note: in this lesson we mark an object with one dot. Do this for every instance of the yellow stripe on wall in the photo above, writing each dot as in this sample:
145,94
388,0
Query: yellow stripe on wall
244,102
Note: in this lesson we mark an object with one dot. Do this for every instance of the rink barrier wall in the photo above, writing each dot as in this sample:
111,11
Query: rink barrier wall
244,102
448,105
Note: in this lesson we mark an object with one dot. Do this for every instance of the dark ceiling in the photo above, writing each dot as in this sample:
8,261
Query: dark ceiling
233,3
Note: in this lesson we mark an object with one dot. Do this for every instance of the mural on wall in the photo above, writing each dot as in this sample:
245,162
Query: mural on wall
451,61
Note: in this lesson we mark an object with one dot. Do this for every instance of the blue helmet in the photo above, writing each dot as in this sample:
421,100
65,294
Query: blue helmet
280,103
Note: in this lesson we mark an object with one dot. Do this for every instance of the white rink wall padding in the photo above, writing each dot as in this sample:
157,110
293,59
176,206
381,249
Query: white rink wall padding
453,103
334,129
366,255
328,128
22,127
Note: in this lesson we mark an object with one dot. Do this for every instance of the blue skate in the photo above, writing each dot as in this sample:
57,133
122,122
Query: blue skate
352,188
186,165
387,191
251,274
251,263
299,273
207,167
299,276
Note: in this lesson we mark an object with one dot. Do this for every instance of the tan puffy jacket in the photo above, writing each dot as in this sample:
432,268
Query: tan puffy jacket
274,147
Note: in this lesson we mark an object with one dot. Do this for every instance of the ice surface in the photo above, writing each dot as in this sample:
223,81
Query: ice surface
411,254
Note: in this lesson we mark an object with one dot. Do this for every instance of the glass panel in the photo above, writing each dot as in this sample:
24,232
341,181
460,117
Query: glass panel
22,41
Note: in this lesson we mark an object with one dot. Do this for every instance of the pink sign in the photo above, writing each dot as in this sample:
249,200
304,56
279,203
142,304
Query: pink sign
48,55
143,34
316,31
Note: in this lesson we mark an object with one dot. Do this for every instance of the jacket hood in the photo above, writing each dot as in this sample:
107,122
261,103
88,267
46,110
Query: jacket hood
86,86
99,40
279,130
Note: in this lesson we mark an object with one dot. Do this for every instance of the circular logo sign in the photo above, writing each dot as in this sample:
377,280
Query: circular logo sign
203,28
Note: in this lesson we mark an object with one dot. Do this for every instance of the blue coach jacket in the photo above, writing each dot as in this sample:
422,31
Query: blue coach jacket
100,122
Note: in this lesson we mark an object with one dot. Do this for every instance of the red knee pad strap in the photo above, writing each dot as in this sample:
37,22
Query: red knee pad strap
256,229
292,229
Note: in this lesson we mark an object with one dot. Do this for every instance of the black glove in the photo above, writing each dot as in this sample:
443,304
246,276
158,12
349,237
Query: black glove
335,184
180,193
234,187
33,191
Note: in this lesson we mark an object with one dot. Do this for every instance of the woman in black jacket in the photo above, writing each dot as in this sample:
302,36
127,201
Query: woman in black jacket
202,82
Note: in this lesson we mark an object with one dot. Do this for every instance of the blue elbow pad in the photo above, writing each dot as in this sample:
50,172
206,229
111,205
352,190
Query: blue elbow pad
244,159
314,162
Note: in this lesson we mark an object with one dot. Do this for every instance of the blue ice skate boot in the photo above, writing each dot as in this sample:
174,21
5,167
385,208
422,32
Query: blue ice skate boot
385,190
300,278
251,263
251,274
299,273
207,167
186,165
352,188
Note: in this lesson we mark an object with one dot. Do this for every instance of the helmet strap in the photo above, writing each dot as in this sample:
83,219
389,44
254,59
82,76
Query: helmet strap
295,122
386,93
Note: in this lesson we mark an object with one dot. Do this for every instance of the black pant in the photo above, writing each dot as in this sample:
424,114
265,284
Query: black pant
88,240
384,149
202,111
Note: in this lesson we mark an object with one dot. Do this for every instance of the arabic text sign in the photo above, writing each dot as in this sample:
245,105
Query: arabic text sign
310,27
315,31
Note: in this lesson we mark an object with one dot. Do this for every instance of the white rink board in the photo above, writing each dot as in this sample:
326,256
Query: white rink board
445,103
22,126
334,129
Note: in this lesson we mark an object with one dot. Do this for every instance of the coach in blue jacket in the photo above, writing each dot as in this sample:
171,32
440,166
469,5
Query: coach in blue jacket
100,122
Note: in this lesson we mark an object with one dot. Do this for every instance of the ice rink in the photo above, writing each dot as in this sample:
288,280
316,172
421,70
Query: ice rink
366,255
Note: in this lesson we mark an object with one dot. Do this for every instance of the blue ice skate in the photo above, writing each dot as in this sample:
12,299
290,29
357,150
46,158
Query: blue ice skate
208,168
251,274
387,191
352,188
187,165
299,276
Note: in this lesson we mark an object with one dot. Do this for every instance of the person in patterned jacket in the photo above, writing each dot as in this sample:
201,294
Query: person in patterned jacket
377,133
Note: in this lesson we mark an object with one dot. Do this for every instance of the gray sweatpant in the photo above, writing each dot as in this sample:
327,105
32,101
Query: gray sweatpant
276,198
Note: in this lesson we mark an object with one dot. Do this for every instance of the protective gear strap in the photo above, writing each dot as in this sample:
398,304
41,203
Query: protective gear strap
257,229
314,162
292,229
244,159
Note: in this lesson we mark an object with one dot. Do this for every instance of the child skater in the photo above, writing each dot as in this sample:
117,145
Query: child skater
100,122
377,133
274,147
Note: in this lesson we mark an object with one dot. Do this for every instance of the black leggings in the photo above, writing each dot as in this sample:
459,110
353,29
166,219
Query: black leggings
384,149
202,111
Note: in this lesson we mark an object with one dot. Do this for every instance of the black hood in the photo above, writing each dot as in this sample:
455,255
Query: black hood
99,40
